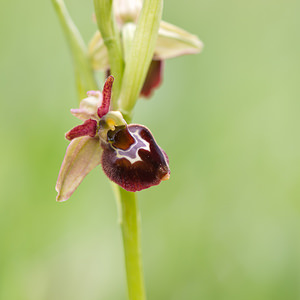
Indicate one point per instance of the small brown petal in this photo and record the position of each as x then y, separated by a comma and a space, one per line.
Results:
89, 127
106, 94
153, 79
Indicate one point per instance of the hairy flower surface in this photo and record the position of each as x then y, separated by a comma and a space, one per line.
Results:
129, 154
172, 41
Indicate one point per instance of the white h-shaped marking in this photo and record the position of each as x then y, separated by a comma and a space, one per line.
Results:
123, 153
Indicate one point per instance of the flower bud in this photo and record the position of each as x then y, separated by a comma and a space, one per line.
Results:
127, 10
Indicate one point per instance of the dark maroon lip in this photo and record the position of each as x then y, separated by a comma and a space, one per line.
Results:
141, 165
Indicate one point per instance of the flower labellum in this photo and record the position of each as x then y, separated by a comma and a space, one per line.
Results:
133, 159
129, 154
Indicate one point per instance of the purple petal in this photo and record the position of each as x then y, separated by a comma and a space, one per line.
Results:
106, 94
89, 127
82, 155
135, 165
153, 79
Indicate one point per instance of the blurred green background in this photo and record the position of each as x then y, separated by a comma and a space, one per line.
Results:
227, 223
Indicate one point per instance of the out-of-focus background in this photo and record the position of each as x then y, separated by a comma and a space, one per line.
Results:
227, 223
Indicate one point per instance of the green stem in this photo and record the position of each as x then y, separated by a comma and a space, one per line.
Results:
111, 37
141, 54
85, 76
127, 87
130, 224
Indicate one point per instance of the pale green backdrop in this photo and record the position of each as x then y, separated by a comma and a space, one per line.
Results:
226, 226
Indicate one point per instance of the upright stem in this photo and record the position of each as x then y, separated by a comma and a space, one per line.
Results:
127, 86
111, 37
85, 76
130, 224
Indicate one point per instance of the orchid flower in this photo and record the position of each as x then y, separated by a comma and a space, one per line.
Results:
172, 41
129, 154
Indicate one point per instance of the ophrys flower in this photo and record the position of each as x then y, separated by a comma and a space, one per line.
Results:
129, 154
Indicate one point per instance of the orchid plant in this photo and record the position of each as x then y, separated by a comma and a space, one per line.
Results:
131, 44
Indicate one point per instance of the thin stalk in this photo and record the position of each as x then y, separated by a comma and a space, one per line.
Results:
129, 219
130, 224
111, 37
85, 76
